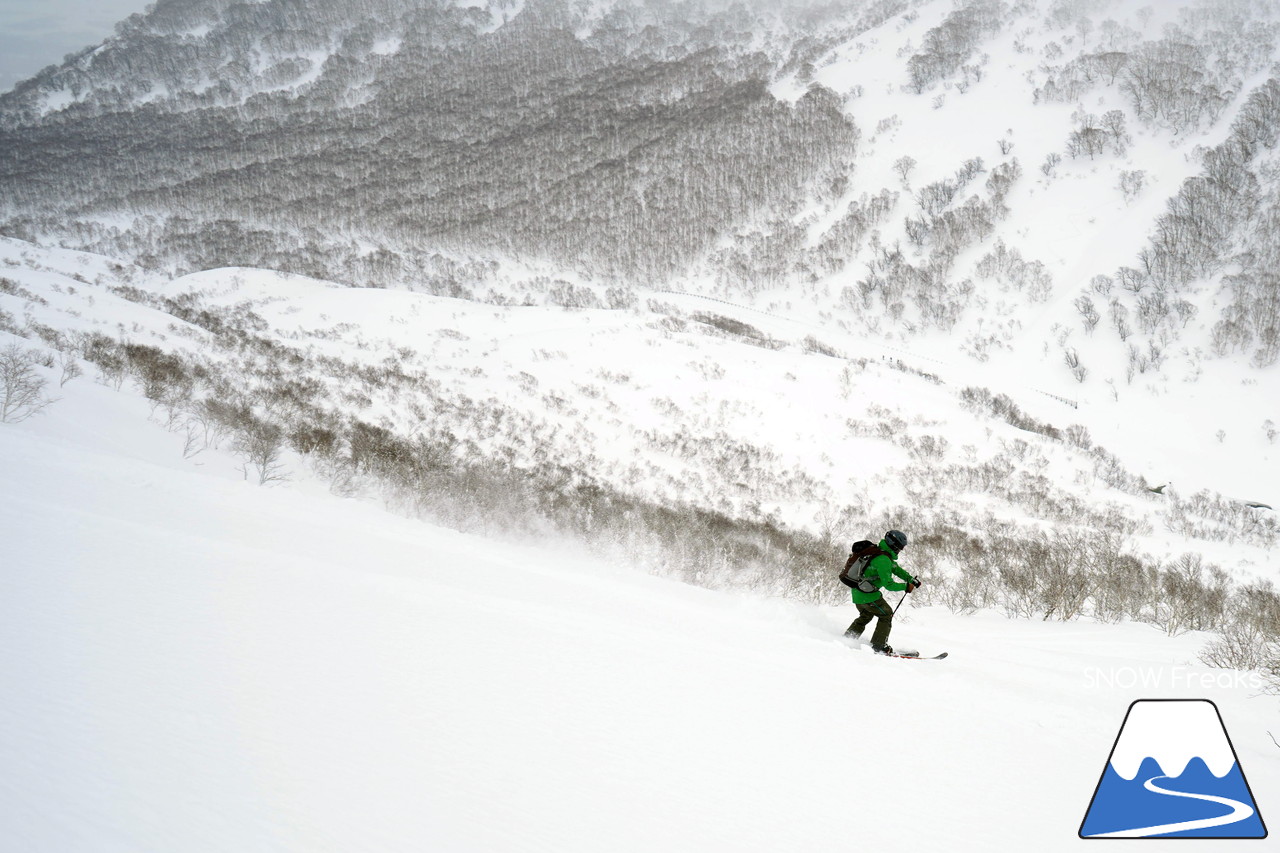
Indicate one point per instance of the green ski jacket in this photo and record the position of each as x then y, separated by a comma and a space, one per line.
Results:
880, 571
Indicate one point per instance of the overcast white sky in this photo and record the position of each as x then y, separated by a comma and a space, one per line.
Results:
36, 33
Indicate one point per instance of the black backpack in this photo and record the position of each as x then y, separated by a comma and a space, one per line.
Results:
853, 575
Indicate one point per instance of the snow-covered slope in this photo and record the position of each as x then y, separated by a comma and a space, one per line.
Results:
193, 662
686, 403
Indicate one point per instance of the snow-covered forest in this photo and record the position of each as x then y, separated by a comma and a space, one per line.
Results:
700, 292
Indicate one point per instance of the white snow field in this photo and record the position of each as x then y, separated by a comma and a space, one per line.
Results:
191, 662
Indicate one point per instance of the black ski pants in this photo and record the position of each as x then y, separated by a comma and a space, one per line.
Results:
879, 610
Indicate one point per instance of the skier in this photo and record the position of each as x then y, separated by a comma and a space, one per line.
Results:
871, 605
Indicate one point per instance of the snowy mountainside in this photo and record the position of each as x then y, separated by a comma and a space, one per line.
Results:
1100, 214
198, 663
699, 439
536, 138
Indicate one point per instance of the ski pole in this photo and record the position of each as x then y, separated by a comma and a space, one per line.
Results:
904, 598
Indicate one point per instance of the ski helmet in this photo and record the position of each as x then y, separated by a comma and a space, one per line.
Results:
896, 539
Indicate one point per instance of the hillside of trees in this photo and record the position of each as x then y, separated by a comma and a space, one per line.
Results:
289, 132
579, 154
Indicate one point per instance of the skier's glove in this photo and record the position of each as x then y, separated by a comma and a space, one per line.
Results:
913, 586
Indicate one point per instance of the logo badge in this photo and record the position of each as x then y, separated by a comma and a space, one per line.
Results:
1173, 773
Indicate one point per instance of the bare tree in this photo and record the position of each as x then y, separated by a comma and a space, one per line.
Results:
1113, 122
1240, 646
1089, 138
1078, 370
1111, 63
1131, 183
903, 166
262, 444
70, 368
1088, 312
21, 385
1120, 319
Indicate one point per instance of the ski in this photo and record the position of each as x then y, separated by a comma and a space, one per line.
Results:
910, 654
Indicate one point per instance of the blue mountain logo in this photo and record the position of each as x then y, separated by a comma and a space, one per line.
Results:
1173, 773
